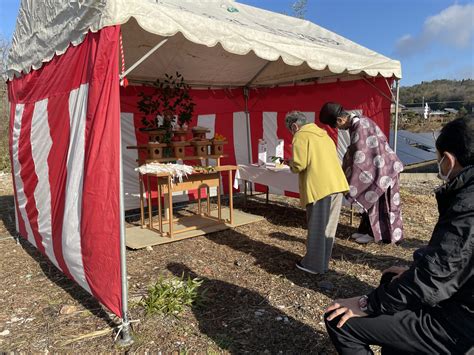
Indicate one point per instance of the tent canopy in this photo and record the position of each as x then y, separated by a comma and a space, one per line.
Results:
66, 125
210, 42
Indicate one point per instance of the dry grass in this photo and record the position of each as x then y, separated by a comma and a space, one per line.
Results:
420, 125
255, 298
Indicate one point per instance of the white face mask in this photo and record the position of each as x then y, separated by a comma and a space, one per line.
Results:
440, 174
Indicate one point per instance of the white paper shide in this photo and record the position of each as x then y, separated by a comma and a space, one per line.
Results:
280, 149
262, 152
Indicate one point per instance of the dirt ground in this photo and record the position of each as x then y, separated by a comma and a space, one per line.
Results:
256, 300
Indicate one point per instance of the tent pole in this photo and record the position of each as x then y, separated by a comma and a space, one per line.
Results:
247, 113
260, 71
142, 59
377, 89
126, 338
397, 83
247, 116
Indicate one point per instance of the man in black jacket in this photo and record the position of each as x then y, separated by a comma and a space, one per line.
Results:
429, 307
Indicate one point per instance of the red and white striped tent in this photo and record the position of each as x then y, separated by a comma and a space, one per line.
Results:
69, 116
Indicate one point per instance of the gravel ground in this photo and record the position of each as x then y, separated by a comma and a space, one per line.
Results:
255, 298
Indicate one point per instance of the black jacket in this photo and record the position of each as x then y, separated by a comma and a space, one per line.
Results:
441, 277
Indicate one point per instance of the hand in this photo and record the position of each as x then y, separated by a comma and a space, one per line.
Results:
349, 307
396, 270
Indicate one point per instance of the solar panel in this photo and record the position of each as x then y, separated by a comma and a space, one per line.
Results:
414, 148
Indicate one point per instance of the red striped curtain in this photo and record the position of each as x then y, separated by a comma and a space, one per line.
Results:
64, 147
222, 111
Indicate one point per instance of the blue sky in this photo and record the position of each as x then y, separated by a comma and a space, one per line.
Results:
433, 39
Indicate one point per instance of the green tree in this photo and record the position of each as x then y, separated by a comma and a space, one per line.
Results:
440, 94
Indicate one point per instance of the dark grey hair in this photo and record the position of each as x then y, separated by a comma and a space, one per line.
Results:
457, 137
330, 112
297, 117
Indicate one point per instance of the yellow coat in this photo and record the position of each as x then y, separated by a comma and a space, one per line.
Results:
315, 160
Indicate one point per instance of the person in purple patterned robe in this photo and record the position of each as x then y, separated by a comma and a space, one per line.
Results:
372, 169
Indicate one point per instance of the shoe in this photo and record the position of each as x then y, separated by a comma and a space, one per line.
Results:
357, 235
365, 239
302, 268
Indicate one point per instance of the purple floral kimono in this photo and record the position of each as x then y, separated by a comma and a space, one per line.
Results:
372, 169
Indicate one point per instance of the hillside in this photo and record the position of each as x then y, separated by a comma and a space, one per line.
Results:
440, 93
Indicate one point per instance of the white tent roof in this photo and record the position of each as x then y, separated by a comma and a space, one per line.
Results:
211, 42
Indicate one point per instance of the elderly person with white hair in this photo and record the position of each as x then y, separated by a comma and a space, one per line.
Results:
321, 184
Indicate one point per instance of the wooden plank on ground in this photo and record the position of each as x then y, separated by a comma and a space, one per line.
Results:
138, 238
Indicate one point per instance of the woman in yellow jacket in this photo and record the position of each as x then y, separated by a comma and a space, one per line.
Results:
321, 184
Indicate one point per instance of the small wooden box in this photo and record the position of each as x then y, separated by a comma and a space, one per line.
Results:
155, 150
179, 149
180, 134
200, 132
155, 135
217, 147
201, 148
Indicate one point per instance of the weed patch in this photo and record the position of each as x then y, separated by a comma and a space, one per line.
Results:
171, 296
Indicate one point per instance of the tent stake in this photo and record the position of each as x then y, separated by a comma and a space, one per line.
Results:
126, 338
397, 83
138, 62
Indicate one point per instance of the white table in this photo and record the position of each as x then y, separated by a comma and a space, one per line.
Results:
280, 179
277, 180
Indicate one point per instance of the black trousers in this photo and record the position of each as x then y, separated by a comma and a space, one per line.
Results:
364, 226
421, 331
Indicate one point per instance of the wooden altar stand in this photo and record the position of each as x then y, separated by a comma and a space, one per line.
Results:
196, 181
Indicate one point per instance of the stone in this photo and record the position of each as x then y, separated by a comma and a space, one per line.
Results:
67, 309
136, 299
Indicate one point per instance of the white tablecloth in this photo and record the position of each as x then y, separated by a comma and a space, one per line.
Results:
278, 180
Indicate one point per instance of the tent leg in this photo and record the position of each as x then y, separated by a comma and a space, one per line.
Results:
395, 136
247, 116
126, 338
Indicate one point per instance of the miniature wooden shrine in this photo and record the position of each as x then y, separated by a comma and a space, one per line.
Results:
198, 148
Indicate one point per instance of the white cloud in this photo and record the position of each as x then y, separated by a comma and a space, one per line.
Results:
454, 26
408, 45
